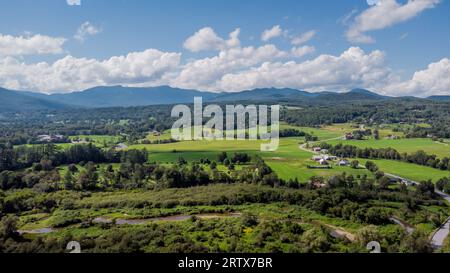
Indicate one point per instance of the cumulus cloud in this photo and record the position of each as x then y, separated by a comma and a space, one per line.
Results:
271, 33
30, 45
70, 74
435, 80
86, 29
352, 68
204, 73
303, 38
383, 14
302, 51
269, 67
207, 39
74, 2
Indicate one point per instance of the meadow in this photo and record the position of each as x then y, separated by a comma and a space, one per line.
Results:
291, 162
403, 145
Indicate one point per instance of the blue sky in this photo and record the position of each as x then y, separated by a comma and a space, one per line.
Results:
349, 43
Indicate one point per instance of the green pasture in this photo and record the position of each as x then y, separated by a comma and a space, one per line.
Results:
404, 145
408, 170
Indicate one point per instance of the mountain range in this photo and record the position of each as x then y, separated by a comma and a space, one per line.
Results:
119, 96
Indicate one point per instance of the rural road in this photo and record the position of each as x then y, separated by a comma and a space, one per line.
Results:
303, 146
439, 236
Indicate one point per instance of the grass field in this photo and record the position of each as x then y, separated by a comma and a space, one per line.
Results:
407, 170
290, 162
98, 140
406, 145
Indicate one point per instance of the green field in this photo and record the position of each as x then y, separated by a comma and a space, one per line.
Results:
98, 140
405, 145
290, 162
411, 171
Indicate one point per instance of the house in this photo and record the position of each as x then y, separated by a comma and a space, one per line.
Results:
349, 136
317, 158
317, 149
43, 138
121, 146
323, 162
391, 137
49, 138
343, 162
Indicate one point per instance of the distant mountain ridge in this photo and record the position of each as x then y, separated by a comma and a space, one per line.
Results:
440, 98
119, 96
17, 101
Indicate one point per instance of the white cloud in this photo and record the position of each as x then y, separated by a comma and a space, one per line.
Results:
352, 68
435, 80
383, 14
74, 2
69, 73
302, 51
346, 18
207, 39
86, 29
269, 34
241, 69
204, 73
30, 45
303, 38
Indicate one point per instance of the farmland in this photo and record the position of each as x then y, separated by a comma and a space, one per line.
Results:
133, 189
404, 145
291, 162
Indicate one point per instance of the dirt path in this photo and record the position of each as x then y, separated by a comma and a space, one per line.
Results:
340, 233
407, 227
36, 231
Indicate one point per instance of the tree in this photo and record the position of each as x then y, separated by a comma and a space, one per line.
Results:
368, 234
213, 165
383, 182
68, 181
8, 226
379, 174
181, 161
354, 164
372, 167
46, 164
425, 188
73, 168
249, 220
376, 134
442, 183
417, 242
222, 157
227, 162
88, 179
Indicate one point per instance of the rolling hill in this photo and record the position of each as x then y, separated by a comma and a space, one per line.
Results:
439, 98
119, 96
15, 101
